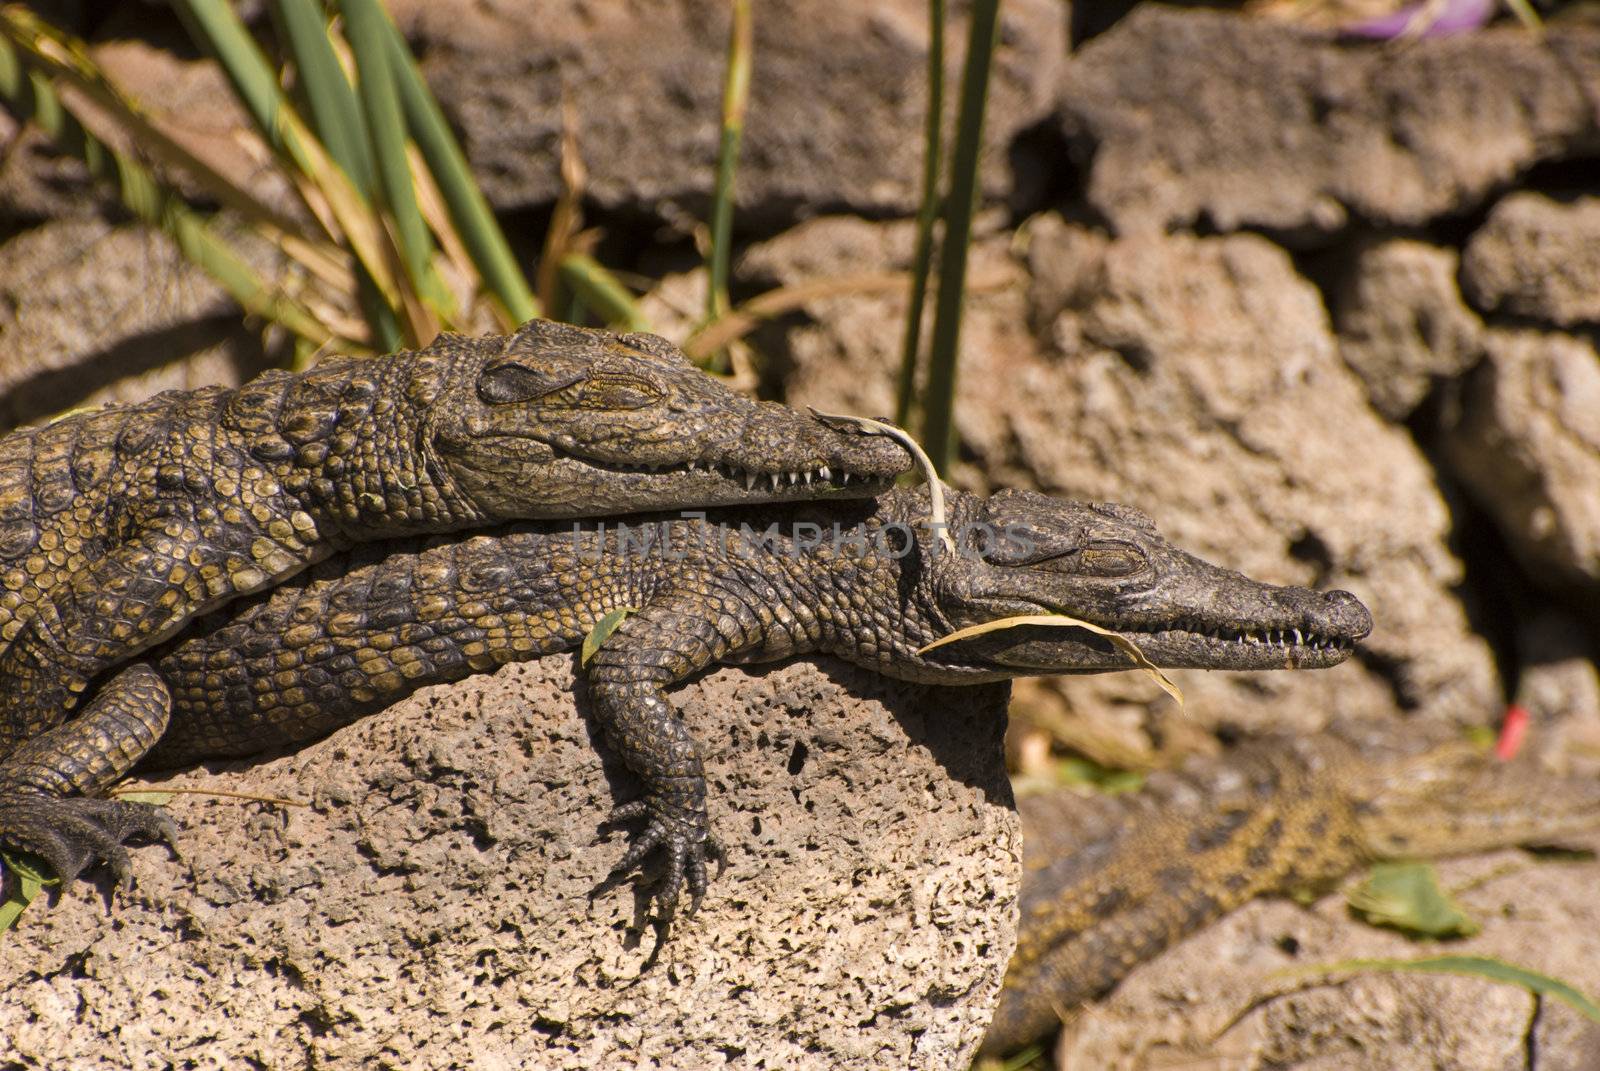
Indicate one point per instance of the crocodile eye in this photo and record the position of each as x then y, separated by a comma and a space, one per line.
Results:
1109, 559
1103, 559
617, 392
513, 382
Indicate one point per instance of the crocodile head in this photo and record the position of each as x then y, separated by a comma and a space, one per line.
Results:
1024, 553
565, 421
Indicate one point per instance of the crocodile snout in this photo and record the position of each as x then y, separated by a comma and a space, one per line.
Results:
1348, 615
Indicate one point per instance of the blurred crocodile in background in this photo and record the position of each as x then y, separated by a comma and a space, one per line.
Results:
867, 581
1110, 881
118, 526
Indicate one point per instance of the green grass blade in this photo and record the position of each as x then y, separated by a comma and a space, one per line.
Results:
1526, 15
335, 111
339, 205
469, 211
735, 101
601, 291
927, 214
1494, 970
938, 431
380, 103
339, 122
215, 25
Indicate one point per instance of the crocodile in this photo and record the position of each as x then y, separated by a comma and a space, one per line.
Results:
118, 526
1111, 881
867, 581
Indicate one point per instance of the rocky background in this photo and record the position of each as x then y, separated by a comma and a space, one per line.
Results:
1329, 311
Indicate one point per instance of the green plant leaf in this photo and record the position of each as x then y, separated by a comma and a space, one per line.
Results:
32, 876
215, 24
65, 61
602, 631
1407, 897
339, 205
30, 95
1076, 770
735, 99
30, 867
1494, 970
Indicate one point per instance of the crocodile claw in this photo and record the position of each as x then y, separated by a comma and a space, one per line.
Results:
69, 834
687, 841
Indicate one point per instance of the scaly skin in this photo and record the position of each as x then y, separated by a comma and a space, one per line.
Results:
1110, 881
352, 636
119, 526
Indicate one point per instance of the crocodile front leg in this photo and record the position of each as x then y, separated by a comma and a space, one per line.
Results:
47, 784
128, 601
652, 650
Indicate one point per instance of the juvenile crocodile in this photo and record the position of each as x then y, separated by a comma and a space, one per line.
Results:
862, 580
1110, 881
118, 526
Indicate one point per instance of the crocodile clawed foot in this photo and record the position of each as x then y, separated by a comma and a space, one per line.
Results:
685, 838
70, 834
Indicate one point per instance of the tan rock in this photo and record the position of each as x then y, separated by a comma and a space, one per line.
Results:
1525, 439
1198, 379
835, 118
1202, 117
433, 906
1401, 321
92, 312
1537, 257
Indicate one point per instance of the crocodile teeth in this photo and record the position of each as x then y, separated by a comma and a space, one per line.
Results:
844, 478
773, 476
1298, 639
749, 481
808, 479
824, 473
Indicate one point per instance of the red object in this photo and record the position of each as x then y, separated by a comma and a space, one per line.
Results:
1513, 730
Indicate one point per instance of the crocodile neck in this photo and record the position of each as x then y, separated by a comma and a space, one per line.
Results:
348, 442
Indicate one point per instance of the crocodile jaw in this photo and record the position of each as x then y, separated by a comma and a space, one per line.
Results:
1053, 650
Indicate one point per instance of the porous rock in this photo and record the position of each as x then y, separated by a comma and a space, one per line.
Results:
1402, 324
433, 905
1524, 438
1189, 116
1197, 379
92, 312
835, 116
1537, 257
